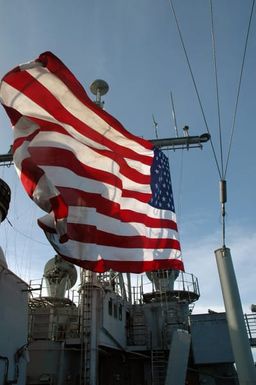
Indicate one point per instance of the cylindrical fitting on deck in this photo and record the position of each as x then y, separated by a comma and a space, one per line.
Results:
223, 191
235, 318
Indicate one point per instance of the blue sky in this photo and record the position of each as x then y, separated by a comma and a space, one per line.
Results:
134, 46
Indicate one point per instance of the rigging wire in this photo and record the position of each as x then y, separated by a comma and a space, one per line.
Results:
217, 88
221, 169
16, 230
15, 193
222, 184
239, 88
194, 83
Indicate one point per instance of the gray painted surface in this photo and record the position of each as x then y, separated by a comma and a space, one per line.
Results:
178, 358
210, 339
113, 333
53, 362
13, 325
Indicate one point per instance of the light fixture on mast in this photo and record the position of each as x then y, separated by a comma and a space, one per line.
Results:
98, 88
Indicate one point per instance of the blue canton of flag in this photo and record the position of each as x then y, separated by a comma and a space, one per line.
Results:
162, 197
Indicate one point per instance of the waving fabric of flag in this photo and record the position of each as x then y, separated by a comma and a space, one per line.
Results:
107, 192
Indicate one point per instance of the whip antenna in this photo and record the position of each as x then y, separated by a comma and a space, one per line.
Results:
174, 117
155, 126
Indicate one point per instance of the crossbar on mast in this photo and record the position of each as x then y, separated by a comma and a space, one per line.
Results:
181, 141
170, 143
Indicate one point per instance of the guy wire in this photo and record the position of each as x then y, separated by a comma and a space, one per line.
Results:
238, 90
217, 88
194, 83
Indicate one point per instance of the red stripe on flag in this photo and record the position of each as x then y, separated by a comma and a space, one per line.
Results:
59, 207
59, 157
57, 67
104, 206
19, 141
13, 114
43, 126
90, 234
30, 175
125, 266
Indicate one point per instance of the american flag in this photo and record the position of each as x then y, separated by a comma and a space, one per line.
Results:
107, 192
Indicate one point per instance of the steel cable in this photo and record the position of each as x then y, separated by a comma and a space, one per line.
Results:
194, 83
239, 88
217, 89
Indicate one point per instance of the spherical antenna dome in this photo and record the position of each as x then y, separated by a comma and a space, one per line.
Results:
99, 86
60, 276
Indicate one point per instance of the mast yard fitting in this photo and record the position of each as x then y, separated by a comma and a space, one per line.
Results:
180, 142
223, 191
223, 200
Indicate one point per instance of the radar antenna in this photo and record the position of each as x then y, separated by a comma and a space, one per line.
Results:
174, 117
155, 126
98, 88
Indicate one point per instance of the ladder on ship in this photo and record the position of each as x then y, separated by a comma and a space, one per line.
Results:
86, 323
159, 367
139, 329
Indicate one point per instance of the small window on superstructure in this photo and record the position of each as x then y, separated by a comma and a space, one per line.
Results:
110, 307
120, 312
115, 310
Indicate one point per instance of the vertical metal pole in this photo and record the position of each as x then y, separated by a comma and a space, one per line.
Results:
235, 318
128, 275
61, 371
94, 349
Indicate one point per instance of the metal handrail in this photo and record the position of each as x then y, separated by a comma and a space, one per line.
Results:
250, 323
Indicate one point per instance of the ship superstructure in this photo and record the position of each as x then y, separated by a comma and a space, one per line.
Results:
117, 329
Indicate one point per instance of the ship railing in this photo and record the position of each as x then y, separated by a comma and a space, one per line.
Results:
55, 325
38, 289
114, 281
184, 287
250, 322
